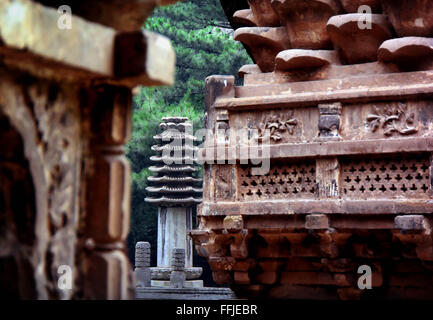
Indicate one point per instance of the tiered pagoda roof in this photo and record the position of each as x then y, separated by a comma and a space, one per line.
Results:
175, 181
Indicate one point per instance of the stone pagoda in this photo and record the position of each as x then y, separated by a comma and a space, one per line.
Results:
175, 189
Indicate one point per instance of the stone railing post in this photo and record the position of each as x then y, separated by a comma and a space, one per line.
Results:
177, 276
142, 264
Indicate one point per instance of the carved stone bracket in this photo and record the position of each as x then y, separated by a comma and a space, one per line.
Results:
239, 247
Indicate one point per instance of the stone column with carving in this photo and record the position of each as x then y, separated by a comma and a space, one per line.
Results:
175, 189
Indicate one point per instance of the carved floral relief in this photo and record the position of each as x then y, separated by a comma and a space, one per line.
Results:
277, 126
392, 119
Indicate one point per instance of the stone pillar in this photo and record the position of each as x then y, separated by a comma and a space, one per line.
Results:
173, 225
142, 264
108, 197
177, 276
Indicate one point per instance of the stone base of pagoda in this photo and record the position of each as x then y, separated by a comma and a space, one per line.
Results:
163, 273
162, 293
161, 277
188, 283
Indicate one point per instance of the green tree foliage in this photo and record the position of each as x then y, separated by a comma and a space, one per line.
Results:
202, 49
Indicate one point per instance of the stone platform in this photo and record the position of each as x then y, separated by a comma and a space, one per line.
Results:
172, 283
161, 293
188, 283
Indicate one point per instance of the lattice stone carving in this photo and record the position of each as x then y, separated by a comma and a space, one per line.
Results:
386, 177
284, 180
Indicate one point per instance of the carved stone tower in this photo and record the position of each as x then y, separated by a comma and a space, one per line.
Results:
175, 189
339, 102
